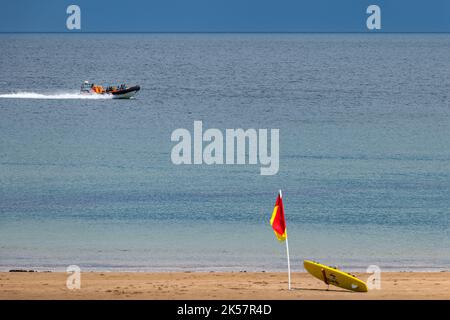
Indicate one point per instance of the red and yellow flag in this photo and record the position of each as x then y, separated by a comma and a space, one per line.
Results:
277, 221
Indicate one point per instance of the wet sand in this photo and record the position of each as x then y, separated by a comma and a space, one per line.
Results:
215, 285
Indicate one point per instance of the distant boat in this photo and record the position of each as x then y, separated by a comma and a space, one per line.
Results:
117, 92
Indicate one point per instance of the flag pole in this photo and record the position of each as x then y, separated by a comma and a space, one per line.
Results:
289, 264
287, 254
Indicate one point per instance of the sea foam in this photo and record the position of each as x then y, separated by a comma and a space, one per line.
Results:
53, 96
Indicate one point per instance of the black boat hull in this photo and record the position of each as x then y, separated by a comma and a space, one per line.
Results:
125, 93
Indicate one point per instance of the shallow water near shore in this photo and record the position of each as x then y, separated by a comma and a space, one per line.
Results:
364, 151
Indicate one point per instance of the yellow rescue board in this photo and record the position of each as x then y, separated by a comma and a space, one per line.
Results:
334, 276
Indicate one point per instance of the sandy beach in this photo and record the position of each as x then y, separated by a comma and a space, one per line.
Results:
230, 285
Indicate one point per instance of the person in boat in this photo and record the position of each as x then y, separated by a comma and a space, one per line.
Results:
87, 87
97, 89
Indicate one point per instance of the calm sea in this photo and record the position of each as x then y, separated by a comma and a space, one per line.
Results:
364, 151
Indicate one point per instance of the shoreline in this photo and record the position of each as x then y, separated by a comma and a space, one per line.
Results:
360, 270
215, 285
150, 271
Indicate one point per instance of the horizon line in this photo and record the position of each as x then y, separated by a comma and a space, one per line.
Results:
225, 32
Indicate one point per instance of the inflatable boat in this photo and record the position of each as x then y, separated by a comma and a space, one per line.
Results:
117, 92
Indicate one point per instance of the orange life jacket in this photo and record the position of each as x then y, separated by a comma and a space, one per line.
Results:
98, 89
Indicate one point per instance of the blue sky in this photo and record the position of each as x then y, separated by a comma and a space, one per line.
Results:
225, 15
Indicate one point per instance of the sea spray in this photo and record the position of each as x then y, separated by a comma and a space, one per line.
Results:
54, 96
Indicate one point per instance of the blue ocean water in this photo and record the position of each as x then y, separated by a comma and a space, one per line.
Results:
364, 151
